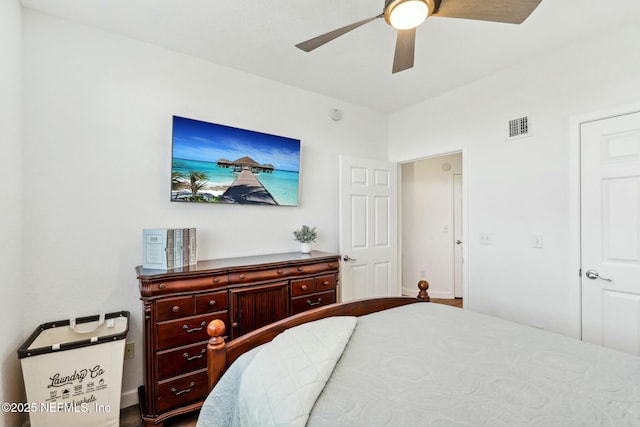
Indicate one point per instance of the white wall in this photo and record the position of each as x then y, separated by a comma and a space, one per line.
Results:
97, 147
518, 189
427, 224
11, 389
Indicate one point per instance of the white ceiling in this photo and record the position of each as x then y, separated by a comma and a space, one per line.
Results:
258, 36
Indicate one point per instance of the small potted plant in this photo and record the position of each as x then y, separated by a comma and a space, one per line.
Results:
305, 236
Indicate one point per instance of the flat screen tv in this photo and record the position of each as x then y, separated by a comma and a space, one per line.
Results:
214, 163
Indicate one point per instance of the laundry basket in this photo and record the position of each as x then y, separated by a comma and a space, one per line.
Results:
72, 371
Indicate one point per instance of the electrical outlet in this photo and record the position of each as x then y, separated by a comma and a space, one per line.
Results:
129, 350
486, 239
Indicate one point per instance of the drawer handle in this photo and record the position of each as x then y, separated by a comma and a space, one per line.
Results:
216, 280
304, 287
186, 327
326, 283
212, 302
161, 285
186, 390
197, 356
176, 309
300, 269
234, 325
280, 271
241, 276
330, 265
311, 304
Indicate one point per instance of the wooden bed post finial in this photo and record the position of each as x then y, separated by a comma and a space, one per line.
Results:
216, 351
423, 294
215, 330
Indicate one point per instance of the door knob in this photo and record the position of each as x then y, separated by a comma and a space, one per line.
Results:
458, 242
348, 258
593, 275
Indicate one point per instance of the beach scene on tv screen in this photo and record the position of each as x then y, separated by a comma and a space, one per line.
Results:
214, 163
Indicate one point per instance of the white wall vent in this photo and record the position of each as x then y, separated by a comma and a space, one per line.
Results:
519, 128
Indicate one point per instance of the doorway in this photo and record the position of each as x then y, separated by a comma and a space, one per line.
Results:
432, 224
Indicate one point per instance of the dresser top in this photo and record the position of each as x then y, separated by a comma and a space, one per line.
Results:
237, 262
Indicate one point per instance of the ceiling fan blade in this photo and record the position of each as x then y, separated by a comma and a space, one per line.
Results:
316, 42
405, 48
507, 11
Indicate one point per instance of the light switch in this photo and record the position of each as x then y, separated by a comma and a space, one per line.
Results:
536, 241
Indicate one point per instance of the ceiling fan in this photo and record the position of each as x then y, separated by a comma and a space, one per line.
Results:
406, 15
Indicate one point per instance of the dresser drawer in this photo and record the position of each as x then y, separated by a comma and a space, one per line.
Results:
313, 268
181, 391
182, 360
325, 283
258, 275
214, 301
304, 303
174, 308
201, 282
185, 331
301, 287
192, 284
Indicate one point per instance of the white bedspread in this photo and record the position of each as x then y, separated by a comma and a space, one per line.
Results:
433, 365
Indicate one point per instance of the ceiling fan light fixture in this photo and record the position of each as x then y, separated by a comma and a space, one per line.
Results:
406, 14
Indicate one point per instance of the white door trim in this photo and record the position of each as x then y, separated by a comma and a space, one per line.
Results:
457, 230
466, 285
574, 201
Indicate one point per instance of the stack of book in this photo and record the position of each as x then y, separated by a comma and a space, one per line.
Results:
169, 248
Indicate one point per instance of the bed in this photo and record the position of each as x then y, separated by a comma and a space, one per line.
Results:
406, 362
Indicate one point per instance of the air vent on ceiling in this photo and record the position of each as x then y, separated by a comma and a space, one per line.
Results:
519, 128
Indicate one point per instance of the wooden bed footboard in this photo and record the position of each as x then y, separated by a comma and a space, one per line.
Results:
220, 354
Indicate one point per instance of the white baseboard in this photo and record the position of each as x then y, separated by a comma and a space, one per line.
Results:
433, 294
129, 398
407, 292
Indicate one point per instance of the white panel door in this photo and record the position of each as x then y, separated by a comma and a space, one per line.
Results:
368, 228
610, 231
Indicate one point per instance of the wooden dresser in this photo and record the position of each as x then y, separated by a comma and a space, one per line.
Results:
246, 293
